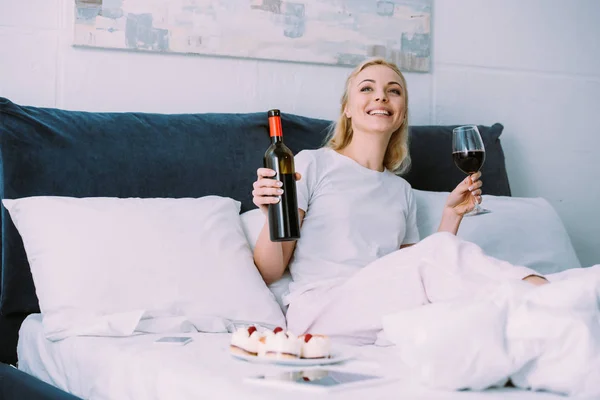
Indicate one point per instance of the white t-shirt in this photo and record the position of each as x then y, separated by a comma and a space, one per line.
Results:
354, 215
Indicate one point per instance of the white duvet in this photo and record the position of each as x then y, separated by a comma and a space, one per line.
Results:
102, 368
544, 339
541, 338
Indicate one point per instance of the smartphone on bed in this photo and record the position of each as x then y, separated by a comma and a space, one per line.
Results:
323, 380
174, 340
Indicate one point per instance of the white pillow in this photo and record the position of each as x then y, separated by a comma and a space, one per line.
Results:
152, 257
522, 231
253, 222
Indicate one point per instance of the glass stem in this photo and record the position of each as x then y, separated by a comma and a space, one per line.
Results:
477, 207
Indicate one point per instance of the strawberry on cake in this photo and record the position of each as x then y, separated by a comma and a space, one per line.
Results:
245, 341
315, 346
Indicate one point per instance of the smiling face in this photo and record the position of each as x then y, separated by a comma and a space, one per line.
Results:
376, 101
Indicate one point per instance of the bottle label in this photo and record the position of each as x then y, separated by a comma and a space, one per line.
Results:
275, 126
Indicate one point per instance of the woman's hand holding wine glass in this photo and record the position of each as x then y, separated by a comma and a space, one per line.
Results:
466, 196
468, 153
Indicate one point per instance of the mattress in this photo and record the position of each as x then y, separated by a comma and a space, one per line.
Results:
136, 368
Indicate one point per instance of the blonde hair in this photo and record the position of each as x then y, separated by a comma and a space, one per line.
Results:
397, 157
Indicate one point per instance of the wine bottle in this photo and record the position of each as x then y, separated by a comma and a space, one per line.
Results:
283, 215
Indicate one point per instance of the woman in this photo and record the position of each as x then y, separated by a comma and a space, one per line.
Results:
353, 264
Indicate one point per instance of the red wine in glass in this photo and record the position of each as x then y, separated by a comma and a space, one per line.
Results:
469, 162
468, 153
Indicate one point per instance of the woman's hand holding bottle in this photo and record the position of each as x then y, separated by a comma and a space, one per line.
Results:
267, 190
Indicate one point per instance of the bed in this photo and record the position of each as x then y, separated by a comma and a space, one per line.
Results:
78, 190
135, 368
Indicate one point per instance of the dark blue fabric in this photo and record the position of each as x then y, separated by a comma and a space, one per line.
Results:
9, 335
17, 385
47, 151
433, 168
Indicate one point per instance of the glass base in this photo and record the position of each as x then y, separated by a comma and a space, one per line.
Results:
478, 210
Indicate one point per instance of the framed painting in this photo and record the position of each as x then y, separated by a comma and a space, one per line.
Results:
337, 32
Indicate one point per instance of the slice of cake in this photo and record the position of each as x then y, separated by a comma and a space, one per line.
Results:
315, 346
281, 344
262, 342
245, 341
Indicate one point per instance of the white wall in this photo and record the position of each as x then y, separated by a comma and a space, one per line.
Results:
532, 65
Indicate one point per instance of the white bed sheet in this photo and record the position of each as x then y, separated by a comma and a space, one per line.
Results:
136, 368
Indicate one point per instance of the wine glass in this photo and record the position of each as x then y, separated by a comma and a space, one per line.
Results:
468, 154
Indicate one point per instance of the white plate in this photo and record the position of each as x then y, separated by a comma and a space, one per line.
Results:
336, 357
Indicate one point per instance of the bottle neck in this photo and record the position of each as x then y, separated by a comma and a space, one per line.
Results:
275, 130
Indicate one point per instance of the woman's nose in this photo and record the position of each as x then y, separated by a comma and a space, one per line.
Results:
381, 97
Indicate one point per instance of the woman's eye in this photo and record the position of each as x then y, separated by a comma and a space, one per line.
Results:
396, 91
365, 89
